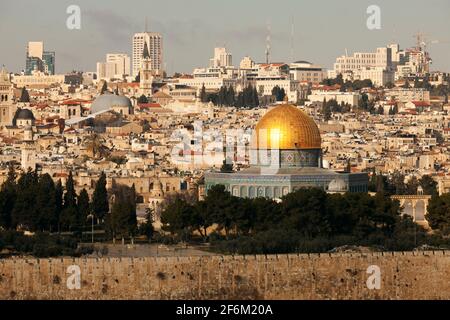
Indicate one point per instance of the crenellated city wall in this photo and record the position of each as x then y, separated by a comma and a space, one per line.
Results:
404, 275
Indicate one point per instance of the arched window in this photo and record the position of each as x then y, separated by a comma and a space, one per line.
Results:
251, 192
243, 192
277, 193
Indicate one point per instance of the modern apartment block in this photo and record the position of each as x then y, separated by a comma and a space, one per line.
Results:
117, 65
39, 60
221, 58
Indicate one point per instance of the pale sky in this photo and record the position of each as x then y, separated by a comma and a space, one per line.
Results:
323, 29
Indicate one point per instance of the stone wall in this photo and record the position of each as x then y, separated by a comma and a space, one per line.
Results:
404, 275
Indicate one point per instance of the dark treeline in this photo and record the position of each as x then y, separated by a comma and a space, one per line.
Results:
278, 93
348, 85
247, 98
35, 203
333, 106
307, 220
396, 184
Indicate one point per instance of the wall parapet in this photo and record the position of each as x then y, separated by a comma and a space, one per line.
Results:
404, 275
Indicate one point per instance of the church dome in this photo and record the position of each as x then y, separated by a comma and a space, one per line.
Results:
288, 127
107, 101
24, 114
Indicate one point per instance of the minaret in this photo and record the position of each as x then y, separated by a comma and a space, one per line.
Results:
28, 155
146, 76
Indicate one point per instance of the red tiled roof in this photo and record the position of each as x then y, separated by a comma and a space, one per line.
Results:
75, 101
149, 105
421, 103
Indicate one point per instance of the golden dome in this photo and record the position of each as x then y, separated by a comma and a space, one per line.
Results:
286, 127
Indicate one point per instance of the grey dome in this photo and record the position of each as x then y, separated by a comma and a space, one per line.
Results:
24, 114
107, 101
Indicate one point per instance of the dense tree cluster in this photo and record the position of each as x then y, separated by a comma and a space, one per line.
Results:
41, 244
142, 99
333, 81
58, 209
53, 208
396, 184
439, 214
262, 225
348, 85
226, 96
278, 93
330, 106
122, 221
365, 104
356, 85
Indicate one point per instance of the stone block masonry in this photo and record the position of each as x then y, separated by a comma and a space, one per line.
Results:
404, 275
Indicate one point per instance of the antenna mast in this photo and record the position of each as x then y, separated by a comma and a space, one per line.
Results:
268, 43
292, 39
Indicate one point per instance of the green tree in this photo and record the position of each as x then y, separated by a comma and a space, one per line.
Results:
59, 192
203, 96
428, 184
142, 99
104, 87
255, 98
305, 211
122, 222
220, 206
70, 219
176, 218
438, 215
100, 205
24, 95
199, 219
231, 97
326, 110
132, 217
406, 85
83, 206
47, 218
146, 228
24, 214
380, 110
412, 185
227, 166
398, 182
8, 195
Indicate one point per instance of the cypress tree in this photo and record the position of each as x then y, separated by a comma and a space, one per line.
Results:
142, 99
58, 204
24, 213
8, 194
69, 217
24, 96
83, 206
104, 88
203, 97
231, 97
255, 98
132, 218
100, 206
46, 204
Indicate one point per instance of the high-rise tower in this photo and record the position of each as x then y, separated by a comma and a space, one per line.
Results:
154, 43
